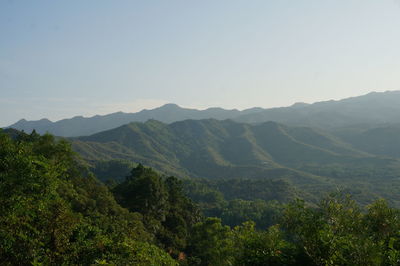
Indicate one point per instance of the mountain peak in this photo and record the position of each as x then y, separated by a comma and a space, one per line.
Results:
23, 121
170, 106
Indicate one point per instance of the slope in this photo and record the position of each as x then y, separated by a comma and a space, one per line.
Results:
310, 159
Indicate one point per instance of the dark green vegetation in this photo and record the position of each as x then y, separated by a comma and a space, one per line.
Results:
336, 232
311, 161
239, 200
53, 211
368, 110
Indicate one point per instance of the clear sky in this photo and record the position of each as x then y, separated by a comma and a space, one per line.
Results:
59, 59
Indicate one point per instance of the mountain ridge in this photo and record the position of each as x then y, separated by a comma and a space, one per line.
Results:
373, 109
222, 143
311, 159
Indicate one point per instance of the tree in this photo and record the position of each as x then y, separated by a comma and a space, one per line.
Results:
253, 247
332, 234
144, 191
211, 243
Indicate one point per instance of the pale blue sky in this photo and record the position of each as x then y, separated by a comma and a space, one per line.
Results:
64, 58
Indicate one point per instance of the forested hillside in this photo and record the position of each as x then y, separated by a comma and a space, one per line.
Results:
53, 211
199, 146
312, 160
200, 133
220, 192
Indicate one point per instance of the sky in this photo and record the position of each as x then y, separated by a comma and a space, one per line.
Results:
60, 59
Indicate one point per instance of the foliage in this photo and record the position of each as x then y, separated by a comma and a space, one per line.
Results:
211, 243
167, 212
262, 247
112, 170
339, 233
239, 200
54, 212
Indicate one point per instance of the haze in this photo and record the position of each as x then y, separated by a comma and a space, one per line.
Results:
60, 59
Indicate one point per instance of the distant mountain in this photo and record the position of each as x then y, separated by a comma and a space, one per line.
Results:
384, 141
81, 126
372, 109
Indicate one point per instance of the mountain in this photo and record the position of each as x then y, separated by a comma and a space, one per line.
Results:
368, 110
82, 126
310, 159
362, 161
372, 109
28, 126
211, 148
384, 140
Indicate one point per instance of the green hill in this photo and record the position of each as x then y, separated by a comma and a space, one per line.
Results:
312, 160
216, 149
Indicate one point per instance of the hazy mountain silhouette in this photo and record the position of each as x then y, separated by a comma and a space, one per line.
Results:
372, 109
81, 126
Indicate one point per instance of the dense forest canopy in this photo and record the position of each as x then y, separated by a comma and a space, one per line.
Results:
54, 211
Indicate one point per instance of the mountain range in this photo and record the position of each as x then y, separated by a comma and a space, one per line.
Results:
311, 159
367, 111
351, 144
